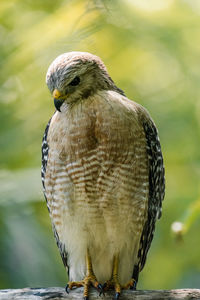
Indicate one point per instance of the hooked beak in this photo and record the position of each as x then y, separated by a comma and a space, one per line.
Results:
58, 104
57, 99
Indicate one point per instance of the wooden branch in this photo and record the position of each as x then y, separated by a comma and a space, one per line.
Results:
57, 293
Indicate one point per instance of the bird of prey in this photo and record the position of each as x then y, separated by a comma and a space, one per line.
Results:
102, 173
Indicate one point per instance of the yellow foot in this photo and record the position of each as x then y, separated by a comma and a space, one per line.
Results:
117, 287
114, 282
130, 285
89, 280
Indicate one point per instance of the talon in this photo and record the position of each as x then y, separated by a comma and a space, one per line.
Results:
130, 285
133, 287
117, 295
99, 286
66, 288
100, 289
104, 285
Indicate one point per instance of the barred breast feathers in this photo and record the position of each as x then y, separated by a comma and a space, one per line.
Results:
98, 163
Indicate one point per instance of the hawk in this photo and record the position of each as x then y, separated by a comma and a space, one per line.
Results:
102, 173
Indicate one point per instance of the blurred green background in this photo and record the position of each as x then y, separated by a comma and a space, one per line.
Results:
152, 51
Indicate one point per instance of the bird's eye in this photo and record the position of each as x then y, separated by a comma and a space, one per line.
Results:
75, 81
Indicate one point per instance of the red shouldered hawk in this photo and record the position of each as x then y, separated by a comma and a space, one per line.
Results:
103, 175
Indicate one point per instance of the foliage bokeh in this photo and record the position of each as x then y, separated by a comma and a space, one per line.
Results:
152, 51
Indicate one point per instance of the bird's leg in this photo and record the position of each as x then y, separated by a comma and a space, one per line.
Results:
89, 280
117, 285
113, 283
130, 285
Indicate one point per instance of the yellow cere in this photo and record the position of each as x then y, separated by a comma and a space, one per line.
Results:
56, 94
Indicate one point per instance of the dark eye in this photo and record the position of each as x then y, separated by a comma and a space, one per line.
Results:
75, 81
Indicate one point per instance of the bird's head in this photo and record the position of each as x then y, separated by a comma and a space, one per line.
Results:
74, 76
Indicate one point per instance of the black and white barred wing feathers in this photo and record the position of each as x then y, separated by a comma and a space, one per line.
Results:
156, 191
45, 151
156, 170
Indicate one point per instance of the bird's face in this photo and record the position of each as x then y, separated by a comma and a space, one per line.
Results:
75, 76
